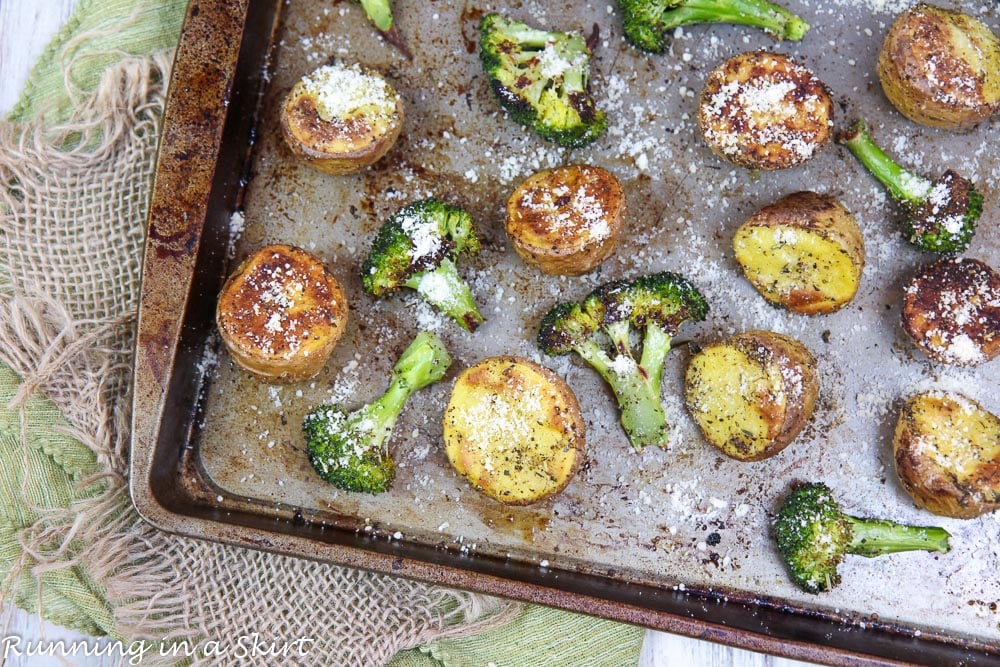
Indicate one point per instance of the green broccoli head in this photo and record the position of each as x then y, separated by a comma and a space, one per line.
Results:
541, 78
813, 535
945, 221
603, 329
416, 248
347, 450
648, 23
565, 327
666, 299
351, 450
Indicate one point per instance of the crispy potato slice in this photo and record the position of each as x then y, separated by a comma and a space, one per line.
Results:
566, 220
941, 68
951, 311
281, 314
947, 450
752, 394
762, 110
804, 252
513, 428
341, 119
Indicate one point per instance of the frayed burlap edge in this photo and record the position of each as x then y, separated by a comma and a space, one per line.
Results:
72, 212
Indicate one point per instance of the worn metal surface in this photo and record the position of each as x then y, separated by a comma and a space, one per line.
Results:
682, 519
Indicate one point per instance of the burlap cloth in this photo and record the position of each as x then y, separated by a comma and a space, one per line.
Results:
76, 163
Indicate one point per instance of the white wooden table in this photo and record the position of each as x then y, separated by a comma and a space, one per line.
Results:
26, 27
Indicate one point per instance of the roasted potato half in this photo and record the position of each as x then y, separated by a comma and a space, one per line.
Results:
281, 313
941, 68
513, 428
566, 220
951, 311
762, 110
341, 118
804, 252
752, 394
947, 450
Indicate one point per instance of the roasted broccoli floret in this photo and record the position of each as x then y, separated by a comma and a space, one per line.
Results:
351, 450
941, 214
379, 12
416, 248
649, 23
541, 79
814, 535
601, 329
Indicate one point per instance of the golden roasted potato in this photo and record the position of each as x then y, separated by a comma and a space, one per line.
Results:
951, 311
762, 110
804, 252
947, 450
941, 68
566, 220
341, 118
752, 394
281, 314
513, 428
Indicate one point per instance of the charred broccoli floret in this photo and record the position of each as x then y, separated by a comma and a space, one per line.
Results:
416, 248
814, 535
648, 23
600, 329
379, 12
941, 214
351, 450
541, 79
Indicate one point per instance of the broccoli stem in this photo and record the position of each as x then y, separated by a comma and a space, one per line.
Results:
526, 36
655, 346
904, 186
772, 18
875, 537
423, 362
379, 417
444, 289
637, 393
379, 12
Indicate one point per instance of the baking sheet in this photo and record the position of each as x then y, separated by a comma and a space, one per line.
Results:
682, 517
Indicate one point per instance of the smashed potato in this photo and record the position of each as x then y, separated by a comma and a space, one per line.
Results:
752, 394
804, 252
567, 220
513, 428
340, 119
762, 110
941, 68
947, 451
281, 313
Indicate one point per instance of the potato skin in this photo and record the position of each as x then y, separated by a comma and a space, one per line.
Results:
941, 68
951, 311
755, 376
947, 453
336, 146
761, 110
281, 314
567, 220
788, 273
514, 430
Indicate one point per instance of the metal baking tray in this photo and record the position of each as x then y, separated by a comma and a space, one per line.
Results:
675, 539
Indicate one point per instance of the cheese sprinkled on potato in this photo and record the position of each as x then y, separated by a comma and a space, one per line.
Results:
342, 91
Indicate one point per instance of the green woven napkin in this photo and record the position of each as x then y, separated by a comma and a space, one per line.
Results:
48, 475
539, 636
54, 465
